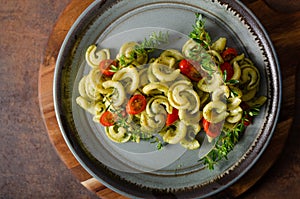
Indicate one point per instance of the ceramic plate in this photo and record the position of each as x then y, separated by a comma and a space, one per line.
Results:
138, 170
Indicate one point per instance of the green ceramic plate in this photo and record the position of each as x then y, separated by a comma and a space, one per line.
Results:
139, 170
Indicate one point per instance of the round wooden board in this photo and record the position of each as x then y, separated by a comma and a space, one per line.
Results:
46, 73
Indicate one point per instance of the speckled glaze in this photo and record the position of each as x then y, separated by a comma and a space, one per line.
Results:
185, 178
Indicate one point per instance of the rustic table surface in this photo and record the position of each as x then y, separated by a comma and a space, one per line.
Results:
34, 160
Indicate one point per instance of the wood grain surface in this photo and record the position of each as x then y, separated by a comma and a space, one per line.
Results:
276, 174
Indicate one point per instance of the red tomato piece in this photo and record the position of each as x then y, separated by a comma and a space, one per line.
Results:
228, 54
136, 104
189, 68
229, 70
171, 118
106, 66
213, 130
248, 120
108, 118
205, 124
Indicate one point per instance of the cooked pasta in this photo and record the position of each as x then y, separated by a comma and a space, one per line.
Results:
143, 96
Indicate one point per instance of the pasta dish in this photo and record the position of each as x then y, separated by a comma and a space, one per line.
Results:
171, 97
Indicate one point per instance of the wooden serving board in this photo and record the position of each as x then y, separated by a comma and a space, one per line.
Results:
46, 73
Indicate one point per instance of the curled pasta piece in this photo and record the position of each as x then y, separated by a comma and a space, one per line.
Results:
91, 90
150, 75
130, 77
88, 100
215, 111
189, 118
95, 108
96, 79
153, 124
164, 73
172, 53
250, 75
235, 111
90, 86
81, 87
238, 58
248, 95
154, 118
170, 57
217, 57
220, 93
232, 103
219, 45
257, 102
85, 104
181, 95
158, 105
117, 134
127, 50
118, 96
191, 46
210, 83
174, 137
156, 87
246, 61
235, 115
189, 141
94, 58
99, 108
190, 144
143, 76
236, 71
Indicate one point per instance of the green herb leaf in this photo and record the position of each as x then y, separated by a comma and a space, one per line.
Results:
155, 40
225, 75
227, 140
232, 81
199, 34
114, 68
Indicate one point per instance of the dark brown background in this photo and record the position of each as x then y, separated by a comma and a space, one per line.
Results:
29, 164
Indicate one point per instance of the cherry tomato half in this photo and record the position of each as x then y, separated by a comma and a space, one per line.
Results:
228, 54
136, 104
108, 118
248, 121
171, 118
226, 66
213, 130
106, 66
188, 68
